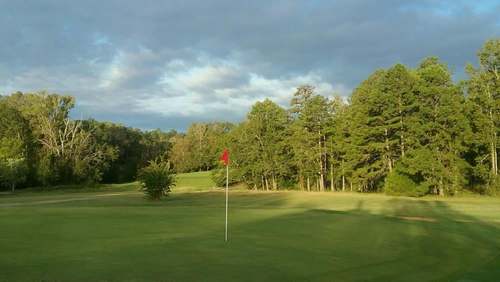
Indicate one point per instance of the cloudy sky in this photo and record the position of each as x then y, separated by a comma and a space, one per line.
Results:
165, 64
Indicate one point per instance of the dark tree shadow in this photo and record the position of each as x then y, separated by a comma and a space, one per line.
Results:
412, 240
271, 240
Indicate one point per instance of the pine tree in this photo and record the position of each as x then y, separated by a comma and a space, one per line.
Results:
437, 159
310, 114
483, 99
337, 142
264, 136
369, 155
397, 87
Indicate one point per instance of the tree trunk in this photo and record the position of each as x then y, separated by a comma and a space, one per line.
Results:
267, 183
496, 158
275, 185
308, 185
331, 177
400, 106
492, 154
301, 182
343, 183
343, 177
13, 187
441, 187
321, 181
387, 149
494, 147
493, 134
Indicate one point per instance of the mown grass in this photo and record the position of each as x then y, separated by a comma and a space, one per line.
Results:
278, 236
193, 182
187, 182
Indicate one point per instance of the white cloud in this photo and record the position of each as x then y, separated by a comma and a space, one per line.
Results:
127, 67
198, 62
54, 79
220, 88
144, 82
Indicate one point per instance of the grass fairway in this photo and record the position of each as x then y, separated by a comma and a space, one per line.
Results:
280, 236
194, 182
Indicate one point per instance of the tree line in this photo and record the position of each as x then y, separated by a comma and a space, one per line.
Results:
41, 146
404, 131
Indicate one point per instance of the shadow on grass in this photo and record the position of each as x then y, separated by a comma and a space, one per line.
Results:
270, 240
354, 245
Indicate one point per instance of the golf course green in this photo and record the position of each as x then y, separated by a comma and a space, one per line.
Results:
114, 234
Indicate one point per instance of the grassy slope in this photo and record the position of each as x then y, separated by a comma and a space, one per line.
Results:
193, 182
274, 236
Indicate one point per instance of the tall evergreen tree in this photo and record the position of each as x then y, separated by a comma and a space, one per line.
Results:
265, 132
337, 142
311, 115
483, 89
436, 160
370, 154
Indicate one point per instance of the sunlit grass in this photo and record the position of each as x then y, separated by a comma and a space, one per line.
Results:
196, 181
274, 236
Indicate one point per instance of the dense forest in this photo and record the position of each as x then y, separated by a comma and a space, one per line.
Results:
41, 146
403, 131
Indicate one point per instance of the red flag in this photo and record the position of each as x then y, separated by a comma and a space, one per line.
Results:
225, 157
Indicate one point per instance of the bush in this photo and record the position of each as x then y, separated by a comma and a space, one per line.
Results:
157, 179
399, 184
288, 183
219, 177
13, 171
493, 189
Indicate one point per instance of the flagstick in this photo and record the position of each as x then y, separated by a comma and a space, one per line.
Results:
227, 186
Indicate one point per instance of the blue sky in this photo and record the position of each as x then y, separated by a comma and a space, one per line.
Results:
165, 64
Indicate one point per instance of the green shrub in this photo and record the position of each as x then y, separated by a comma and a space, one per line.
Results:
12, 172
493, 189
288, 184
219, 177
399, 184
157, 179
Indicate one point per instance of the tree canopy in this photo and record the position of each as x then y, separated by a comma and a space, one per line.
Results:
406, 131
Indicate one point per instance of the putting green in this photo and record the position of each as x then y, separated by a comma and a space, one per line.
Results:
279, 236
